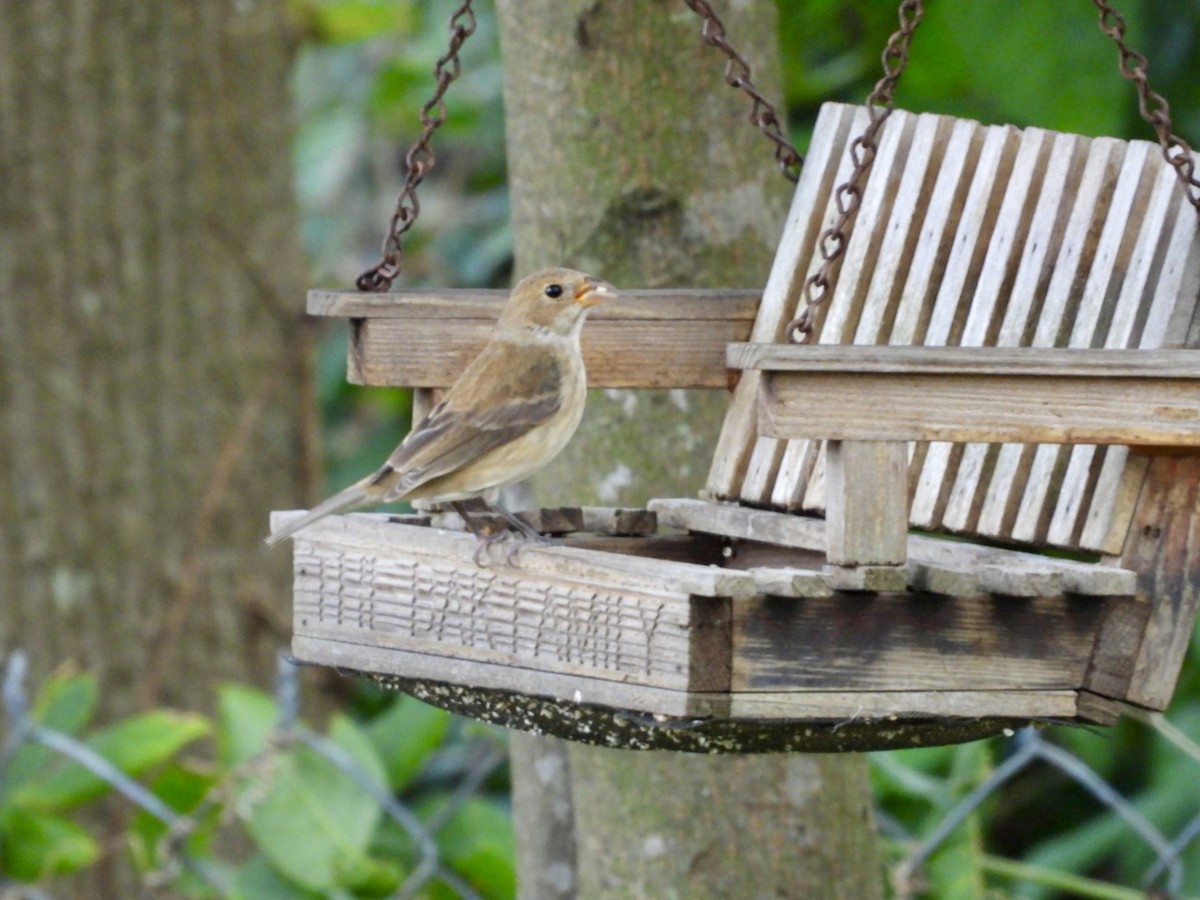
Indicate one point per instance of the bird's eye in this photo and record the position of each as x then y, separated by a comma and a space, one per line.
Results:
554, 291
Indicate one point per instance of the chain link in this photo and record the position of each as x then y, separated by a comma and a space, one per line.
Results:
420, 158
1152, 106
848, 196
737, 75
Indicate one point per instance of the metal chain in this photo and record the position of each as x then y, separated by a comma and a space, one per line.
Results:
848, 195
420, 158
1152, 106
737, 75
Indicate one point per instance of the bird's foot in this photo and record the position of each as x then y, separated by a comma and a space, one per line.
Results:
483, 549
523, 541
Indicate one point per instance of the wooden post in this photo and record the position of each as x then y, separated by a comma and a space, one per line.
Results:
866, 512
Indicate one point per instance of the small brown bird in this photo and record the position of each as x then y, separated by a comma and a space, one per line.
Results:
511, 411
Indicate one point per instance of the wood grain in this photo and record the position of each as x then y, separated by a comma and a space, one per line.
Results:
651, 339
815, 706
870, 393
935, 565
913, 642
363, 580
867, 486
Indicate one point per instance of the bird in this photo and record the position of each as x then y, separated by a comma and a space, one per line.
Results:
511, 411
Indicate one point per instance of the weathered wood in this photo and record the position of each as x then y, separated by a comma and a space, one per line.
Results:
913, 642
1069, 409
605, 520
826, 165
652, 339
1004, 237
1118, 642
375, 532
935, 565
1004, 362
812, 706
792, 582
363, 580
1162, 547
867, 488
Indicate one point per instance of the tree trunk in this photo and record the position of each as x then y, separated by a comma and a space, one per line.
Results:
630, 158
152, 379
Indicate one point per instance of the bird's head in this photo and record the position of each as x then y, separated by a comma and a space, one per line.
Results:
554, 302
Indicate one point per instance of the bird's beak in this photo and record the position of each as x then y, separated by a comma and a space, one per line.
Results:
593, 291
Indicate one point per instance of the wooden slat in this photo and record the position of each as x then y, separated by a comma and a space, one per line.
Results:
763, 471
781, 292
951, 562
850, 290
823, 706
653, 339
1139, 268
913, 642
1068, 410
1103, 275
1064, 170
893, 705
1001, 362
1162, 547
987, 309
958, 280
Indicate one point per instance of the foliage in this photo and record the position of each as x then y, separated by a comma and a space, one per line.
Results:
315, 831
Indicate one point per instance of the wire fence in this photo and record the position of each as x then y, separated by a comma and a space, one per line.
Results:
1163, 878
23, 729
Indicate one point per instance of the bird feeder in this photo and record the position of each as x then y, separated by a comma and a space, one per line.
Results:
970, 503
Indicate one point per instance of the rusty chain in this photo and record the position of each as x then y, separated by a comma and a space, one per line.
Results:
737, 75
420, 158
1152, 105
848, 195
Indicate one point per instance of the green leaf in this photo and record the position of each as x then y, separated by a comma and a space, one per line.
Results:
313, 822
258, 880
133, 746
344, 21
367, 877
183, 789
38, 845
478, 843
405, 736
66, 704
246, 717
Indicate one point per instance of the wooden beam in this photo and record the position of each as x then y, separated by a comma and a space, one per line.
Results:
951, 567
1136, 398
650, 339
867, 503
814, 706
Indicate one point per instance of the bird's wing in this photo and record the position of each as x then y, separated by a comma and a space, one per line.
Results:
505, 393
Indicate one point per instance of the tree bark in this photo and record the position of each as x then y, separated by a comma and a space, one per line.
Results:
152, 375
630, 158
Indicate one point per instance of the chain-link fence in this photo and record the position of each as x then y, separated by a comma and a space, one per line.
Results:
245, 783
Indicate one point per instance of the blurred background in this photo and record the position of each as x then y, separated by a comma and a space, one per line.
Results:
360, 71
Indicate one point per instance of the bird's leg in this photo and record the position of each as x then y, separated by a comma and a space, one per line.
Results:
484, 538
519, 524
531, 534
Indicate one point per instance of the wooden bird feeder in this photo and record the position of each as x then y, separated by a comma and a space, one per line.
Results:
1001, 361
1005, 363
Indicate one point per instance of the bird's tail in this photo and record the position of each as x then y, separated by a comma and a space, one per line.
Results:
356, 495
